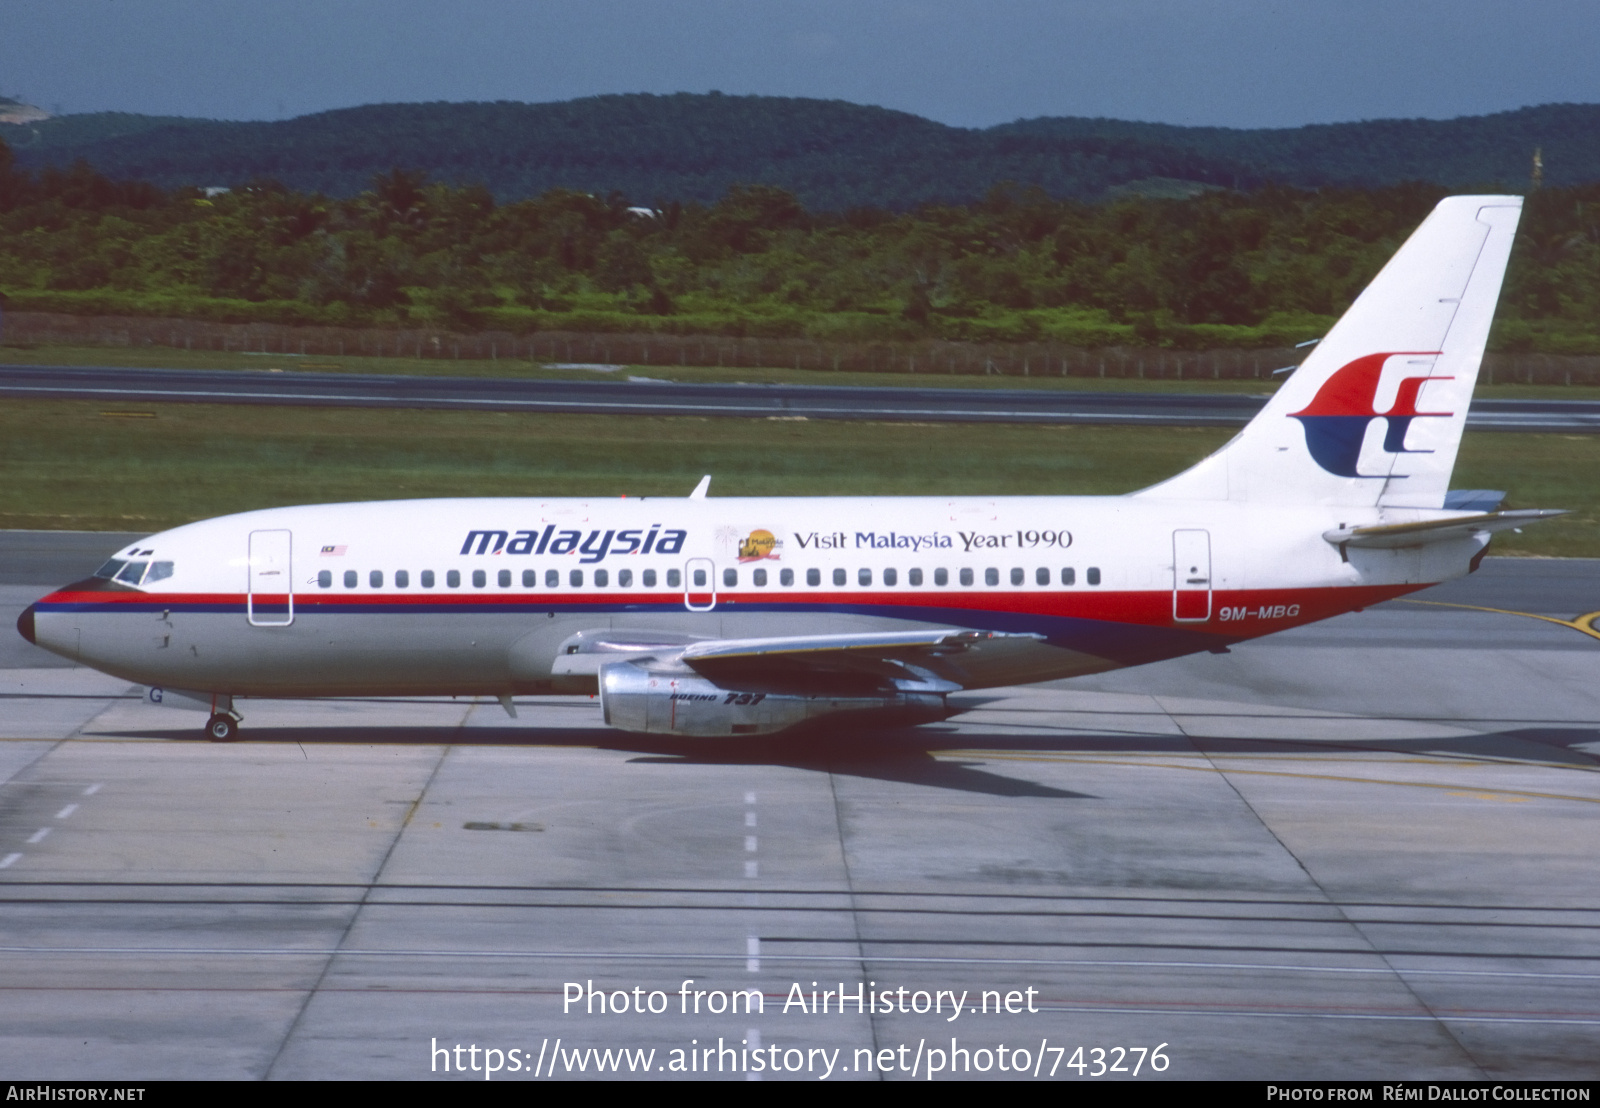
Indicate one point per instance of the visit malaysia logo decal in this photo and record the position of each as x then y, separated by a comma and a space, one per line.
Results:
1337, 418
759, 545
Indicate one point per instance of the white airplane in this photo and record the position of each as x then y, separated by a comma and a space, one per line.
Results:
747, 616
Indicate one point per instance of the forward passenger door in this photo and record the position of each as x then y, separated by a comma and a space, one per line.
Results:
270, 599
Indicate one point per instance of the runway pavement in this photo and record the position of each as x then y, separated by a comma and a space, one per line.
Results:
1361, 849
662, 398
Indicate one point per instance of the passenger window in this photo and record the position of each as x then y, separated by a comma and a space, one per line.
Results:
402, 579
624, 578
758, 578
1016, 575
479, 578
786, 578
699, 578
941, 577
552, 578
575, 578
1069, 576
602, 578
864, 576
427, 578
325, 579
839, 576
890, 577
674, 579
504, 578
159, 571
966, 577
991, 576
813, 577
730, 577
530, 578
914, 577
648, 578
1041, 576
375, 578
452, 578
351, 579
132, 573
1093, 576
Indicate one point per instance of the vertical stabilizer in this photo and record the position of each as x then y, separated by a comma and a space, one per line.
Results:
1373, 418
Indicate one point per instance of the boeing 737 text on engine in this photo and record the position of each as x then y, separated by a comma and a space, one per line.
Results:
735, 616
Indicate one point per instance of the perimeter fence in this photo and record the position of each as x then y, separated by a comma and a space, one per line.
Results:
929, 357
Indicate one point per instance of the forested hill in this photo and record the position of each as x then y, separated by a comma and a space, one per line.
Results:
1468, 151
653, 149
831, 154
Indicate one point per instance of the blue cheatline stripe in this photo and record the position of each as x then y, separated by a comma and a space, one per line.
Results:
1125, 643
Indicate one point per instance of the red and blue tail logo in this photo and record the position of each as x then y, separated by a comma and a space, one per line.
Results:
1337, 418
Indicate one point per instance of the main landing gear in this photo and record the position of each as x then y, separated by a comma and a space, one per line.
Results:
223, 726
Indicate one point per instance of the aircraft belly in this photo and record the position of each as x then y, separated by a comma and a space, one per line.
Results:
349, 654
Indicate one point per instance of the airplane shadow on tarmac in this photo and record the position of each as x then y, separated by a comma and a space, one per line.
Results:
899, 755
908, 755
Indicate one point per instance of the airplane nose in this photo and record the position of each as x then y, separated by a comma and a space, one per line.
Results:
25, 624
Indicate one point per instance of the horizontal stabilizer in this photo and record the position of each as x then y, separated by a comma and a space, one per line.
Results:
1389, 536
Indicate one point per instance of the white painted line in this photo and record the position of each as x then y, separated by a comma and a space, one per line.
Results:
749, 844
749, 798
8, 859
92, 789
752, 1039
749, 819
67, 811
752, 952
38, 836
752, 869
1442, 1017
852, 959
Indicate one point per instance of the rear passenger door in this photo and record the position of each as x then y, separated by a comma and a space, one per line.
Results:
1191, 576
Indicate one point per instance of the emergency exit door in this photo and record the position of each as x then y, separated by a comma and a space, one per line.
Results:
700, 585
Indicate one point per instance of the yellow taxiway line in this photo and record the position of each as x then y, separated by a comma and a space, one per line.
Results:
1584, 624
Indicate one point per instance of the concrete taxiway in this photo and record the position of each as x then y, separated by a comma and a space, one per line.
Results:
668, 398
1366, 848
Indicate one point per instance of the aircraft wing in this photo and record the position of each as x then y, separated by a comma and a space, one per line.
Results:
935, 660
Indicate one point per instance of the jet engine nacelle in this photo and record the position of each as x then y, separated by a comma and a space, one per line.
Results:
681, 702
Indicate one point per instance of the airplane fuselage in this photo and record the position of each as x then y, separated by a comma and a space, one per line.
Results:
485, 597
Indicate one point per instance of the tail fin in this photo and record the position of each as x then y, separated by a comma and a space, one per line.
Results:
1373, 418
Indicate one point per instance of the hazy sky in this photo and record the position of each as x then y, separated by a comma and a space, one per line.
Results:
1244, 63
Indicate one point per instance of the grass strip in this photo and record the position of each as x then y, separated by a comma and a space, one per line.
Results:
94, 465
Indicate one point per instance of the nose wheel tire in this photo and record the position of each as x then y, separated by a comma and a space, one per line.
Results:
221, 728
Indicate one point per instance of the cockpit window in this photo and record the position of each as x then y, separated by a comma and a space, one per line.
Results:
159, 571
109, 570
132, 573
